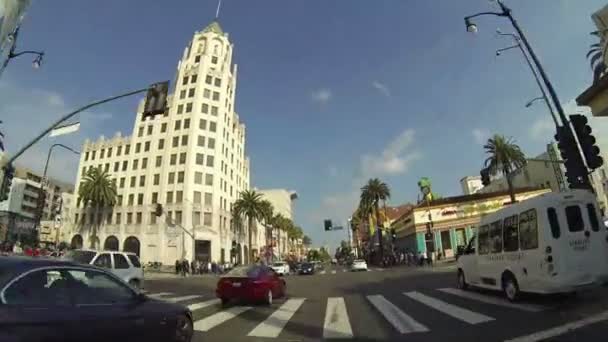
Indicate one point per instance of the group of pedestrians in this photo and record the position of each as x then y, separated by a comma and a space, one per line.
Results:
185, 268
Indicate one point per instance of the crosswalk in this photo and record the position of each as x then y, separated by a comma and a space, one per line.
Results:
400, 311
345, 270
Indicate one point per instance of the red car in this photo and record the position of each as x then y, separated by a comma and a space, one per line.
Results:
256, 283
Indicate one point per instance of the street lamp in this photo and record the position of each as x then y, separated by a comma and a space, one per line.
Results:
578, 166
533, 100
36, 63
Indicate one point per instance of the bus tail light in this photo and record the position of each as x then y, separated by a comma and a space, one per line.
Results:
549, 258
550, 268
548, 250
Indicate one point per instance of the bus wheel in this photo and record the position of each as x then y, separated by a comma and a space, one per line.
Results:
510, 287
462, 283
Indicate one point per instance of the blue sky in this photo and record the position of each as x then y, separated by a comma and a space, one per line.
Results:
332, 92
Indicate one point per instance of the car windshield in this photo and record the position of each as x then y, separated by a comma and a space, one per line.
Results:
307, 265
83, 257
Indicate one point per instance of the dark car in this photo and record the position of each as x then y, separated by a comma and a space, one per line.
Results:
307, 268
256, 283
54, 300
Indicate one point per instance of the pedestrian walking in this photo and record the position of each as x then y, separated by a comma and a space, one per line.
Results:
178, 267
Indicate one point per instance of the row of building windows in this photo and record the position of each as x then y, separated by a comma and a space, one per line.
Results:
137, 218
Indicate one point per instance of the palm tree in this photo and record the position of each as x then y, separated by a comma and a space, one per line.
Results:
306, 241
249, 205
596, 57
505, 157
97, 190
267, 213
371, 194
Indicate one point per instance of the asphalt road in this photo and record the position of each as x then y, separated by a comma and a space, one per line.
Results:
388, 305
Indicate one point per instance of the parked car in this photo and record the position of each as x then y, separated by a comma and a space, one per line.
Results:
125, 265
44, 299
255, 283
281, 267
307, 268
358, 265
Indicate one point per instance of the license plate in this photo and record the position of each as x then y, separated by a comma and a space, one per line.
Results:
236, 284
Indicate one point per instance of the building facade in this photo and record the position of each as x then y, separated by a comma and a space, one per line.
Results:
444, 224
470, 184
190, 159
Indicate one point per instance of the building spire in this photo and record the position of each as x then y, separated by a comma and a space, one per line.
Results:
217, 11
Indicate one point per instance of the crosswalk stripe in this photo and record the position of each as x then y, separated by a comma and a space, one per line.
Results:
322, 272
274, 324
336, 323
181, 298
399, 319
381, 269
212, 321
457, 312
333, 272
204, 304
159, 294
492, 300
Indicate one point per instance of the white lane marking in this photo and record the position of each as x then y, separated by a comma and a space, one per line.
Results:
336, 323
492, 300
204, 304
181, 298
549, 333
399, 319
333, 272
344, 270
323, 272
159, 294
370, 270
381, 269
274, 324
212, 321
457, 312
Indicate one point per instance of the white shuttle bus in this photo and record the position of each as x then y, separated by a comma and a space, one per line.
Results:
553, 243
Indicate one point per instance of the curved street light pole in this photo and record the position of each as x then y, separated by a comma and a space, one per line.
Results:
534, 73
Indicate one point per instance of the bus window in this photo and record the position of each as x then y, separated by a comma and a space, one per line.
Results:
595, 225
553, 222
484, 239
510, 234
574, 218
528, 230
496, 236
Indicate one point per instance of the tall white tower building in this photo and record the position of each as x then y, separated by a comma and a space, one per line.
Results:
191, 160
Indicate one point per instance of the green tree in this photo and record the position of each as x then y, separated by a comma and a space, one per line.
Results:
371, 194
324, 255
249, 205
505, 157
313, 255
306, 241
596, 55
97, 190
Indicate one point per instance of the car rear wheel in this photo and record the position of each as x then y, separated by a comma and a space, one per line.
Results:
134, 283
225, 301
268, 299
184, 329
462, 283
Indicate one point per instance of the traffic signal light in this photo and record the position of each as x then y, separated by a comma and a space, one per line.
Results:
7, 181
485, 176
158, 211
587, 141
576, 173
156, 99
394, 234
327, 224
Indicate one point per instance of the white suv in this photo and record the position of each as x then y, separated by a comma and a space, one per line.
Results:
281, 267
125, 265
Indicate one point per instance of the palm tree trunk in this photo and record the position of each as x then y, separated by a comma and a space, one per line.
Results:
509, 184
249, 237
379, 232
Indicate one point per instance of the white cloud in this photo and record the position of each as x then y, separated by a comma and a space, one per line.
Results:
480, 135
382, 88
321, 96
542, 129
396, 158
393, 159
25, 112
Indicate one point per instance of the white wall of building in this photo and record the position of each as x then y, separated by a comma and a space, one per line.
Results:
470, 184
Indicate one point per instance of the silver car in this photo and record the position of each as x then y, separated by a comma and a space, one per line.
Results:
124, 265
